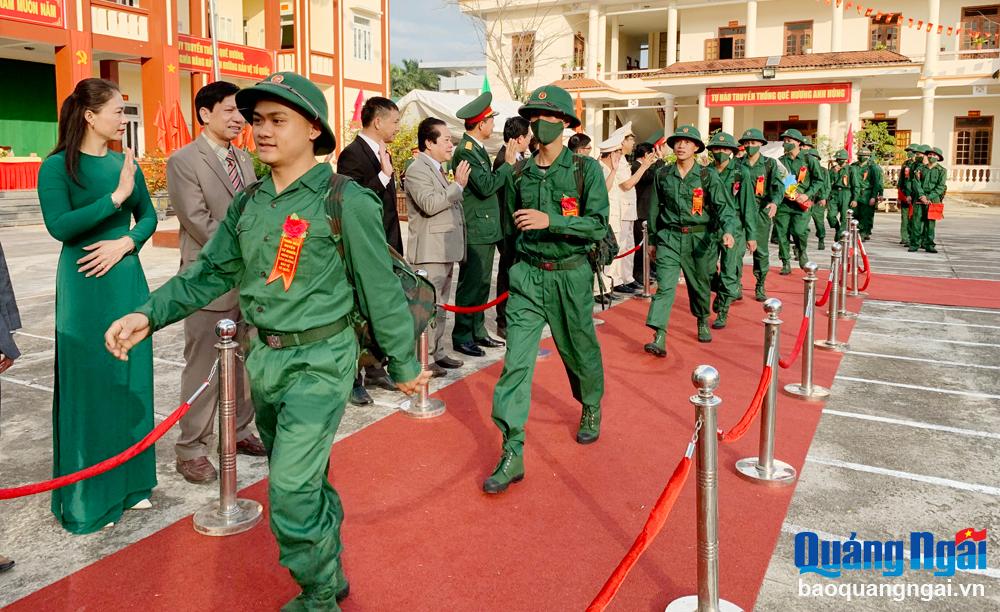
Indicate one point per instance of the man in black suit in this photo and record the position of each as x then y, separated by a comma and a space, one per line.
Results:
643, 191
10, 320
366, 160
516, 129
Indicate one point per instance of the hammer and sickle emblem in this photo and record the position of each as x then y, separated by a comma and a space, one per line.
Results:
81, 57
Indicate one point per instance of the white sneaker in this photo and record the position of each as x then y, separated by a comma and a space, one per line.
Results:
142, 504
108, 525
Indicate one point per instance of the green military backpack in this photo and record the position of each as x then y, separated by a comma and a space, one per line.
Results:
420, 293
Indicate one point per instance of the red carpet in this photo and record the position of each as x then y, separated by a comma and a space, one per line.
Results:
420, 535
940, 291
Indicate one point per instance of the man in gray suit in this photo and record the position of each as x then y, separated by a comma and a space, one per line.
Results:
10, 319
202, 178
436, 223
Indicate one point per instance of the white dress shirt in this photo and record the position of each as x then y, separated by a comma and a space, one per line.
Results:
377, 148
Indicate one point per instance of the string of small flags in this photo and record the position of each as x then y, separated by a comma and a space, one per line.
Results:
919, 24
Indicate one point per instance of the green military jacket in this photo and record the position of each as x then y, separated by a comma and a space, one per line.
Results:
845, 179
903, 182
242, 252
480, 200
811, 182
870, 177
672, 200
932, 182
765, 181
737, 192
545, 189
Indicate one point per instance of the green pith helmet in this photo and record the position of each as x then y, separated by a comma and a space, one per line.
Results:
911, 148
477, 110
793, 134
937, 151
722, 139
813, 153
657, 136
550, 99
296, 91
688, 132
807, 141
752, 134
841, 155
864, 153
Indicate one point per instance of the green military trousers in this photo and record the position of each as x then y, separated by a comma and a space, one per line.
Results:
761, 258
904, 223
695, 255
836, 214
563, 299
794, 223
474, 277
865, 214
728, 281
818, 214
299, 394
921, 228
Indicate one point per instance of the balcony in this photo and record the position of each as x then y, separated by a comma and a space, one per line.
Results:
286, 60
113, 19
321, 65
961, 179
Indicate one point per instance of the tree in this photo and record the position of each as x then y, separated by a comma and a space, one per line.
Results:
875, 136
411, 76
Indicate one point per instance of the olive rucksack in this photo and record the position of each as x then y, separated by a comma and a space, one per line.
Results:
420, 293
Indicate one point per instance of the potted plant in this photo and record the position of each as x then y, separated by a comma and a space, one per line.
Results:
154, 169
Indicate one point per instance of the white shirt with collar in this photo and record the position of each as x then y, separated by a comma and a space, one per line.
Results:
222, 153
377, 148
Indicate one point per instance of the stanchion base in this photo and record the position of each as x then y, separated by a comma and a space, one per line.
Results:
689, 603
543, 353
826, 345
858, 294
208, 521
781, 474
814, 392
412, 408
598, 321
846, 314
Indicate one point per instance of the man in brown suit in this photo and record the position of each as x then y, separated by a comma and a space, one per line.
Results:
202, 178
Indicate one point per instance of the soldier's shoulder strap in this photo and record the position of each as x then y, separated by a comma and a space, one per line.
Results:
246, 194
578, 163
334, 198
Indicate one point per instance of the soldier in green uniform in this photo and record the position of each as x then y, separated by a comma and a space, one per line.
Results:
793, 214
481, 206
767, 188
737, 191
559, 205
917, 166
819, 211
844, 187
870, 176
930, 186
688, 209
302, 365
902, 195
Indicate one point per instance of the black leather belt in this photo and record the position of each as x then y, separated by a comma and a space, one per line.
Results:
280, 340
566, 264
688, 229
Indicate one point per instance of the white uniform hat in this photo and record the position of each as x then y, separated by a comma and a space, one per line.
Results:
613, 143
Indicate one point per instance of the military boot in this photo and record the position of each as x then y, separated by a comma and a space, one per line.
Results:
822, 244
704, 333
509, 470
590, 425
759, 294
343, 586
658, 346
803, 260
786, 268
721, 318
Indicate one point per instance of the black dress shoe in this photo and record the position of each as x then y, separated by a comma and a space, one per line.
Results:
635, 285
489, 342
603, 300
436, 370
623, 289
360, 397
5, 563
471, 349
449, 363
502, 332
383, 382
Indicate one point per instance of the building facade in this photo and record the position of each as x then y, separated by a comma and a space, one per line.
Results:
928, 69
159, 52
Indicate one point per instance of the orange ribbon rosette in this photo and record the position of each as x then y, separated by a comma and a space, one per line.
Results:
286, 262
570, 207
697, 201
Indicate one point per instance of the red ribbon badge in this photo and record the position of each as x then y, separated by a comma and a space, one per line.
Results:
570, 207
802, 173
697, 201
758, 188
736, 188
286, 262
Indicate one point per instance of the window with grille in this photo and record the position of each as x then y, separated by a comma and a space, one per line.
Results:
362, 38
732, 42
523, 53
798, 37
662, 55
973, 140
903, 140
579, 51
980, 25
884, 33
712, 49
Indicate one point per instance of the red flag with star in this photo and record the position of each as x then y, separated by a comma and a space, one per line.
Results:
970, 534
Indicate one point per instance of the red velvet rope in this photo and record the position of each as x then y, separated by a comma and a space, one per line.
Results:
629, 252
787, 363
99, 468
826, 293
743, 425
867, 267
471, 309
657, 517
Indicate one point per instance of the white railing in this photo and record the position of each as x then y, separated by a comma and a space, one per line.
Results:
978, 179
632, 74
321, 64
286, 61
130, 23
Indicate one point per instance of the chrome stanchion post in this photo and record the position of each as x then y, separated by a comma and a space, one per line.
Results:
229, 515
764, 468
845, 260
806, 389
831, 344
425, 406
647, 282
855, 257
706, 379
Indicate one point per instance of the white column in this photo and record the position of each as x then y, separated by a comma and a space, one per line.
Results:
602, 44
613, 62
927, 118
671, 34
728, 119
933, 38
598, 135
668, 114
751, 36
592, 42
748, 119
588, 123
654, 50
837, 31
854, 108
703, 116
823, 121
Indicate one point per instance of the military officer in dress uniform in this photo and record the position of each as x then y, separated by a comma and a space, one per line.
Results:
902, 195
819, 212
557, 224
844, 188
738, 193
767, 188
932, 186
688, 209
870, 176
793, 214
482, 222
302, 366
